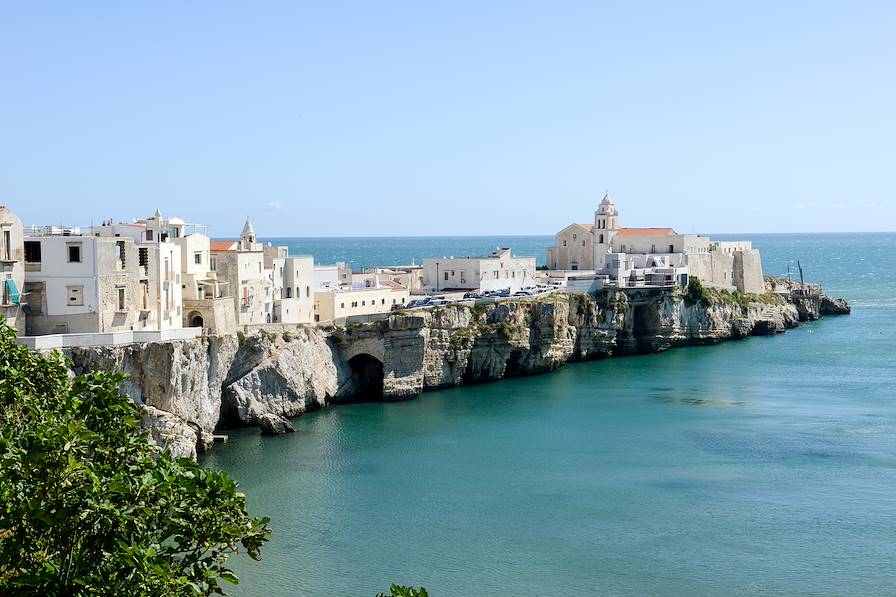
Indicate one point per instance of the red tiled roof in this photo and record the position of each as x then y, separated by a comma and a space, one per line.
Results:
391, 284
645, 232
222, 245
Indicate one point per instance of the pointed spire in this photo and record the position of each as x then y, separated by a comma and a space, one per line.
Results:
158, 214
248, 230
606, 200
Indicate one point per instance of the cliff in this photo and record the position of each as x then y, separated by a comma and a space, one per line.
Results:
186, 389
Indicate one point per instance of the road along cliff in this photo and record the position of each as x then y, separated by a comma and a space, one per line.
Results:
186, 389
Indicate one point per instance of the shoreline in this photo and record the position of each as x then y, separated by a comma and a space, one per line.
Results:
187, 391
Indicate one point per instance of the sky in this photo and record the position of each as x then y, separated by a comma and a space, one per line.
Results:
450, 118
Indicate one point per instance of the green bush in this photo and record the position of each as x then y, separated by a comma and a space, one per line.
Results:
88, 506
696, 293
399, 591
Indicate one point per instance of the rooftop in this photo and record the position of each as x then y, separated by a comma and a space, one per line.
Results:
646, 232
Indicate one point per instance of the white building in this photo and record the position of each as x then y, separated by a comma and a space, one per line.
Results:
642, 256
337, 304
159, 267
332, 276
12, 270
77, 283
409, 276
293, 282
498, 271
240, 264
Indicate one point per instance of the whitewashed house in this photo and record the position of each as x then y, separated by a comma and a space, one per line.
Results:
497, 271
338, 304
77, 283
292, 278
240, 265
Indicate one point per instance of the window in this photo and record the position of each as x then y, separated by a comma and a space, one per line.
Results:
120, 292
259, 267
363, 303
213, 263
601, 241
75, 295
446, 276
671, 248
307, 291
342, 305
197, 258
564, 243
575, 237
143, 257
121, 252
32, 251
583, 243
7, 244
653, 248
74, 252
382, 301
149, 235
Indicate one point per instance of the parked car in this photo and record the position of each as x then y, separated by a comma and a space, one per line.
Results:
502, 292
438, 302
472, 295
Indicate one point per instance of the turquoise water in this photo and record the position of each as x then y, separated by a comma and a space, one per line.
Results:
766, 466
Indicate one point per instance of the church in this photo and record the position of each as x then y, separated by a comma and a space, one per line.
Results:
653, 256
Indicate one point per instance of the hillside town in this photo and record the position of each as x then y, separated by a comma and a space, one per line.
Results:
158, 278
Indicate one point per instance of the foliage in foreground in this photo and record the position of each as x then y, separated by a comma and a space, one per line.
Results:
399, 591
87, 504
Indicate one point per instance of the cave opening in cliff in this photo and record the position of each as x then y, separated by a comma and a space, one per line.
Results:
367, 372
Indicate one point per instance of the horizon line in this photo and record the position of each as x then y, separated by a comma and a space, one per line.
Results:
332, 236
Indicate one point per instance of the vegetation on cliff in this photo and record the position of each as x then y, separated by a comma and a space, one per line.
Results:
88, 506
696, 293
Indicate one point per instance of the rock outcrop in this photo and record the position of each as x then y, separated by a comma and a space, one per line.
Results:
186, 389
833, 306
271, 424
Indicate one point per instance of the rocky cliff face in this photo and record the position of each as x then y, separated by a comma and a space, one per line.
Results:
186, 389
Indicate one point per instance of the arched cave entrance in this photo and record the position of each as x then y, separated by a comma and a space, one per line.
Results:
367, 373
195, 319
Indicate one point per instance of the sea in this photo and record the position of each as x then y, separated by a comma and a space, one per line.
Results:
765, 466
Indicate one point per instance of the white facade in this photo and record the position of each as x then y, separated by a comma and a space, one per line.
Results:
656, 256
338, 304
82, 284
160, 266
292, 280
498, 271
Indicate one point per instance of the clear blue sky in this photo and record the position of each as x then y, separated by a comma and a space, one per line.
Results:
417, 118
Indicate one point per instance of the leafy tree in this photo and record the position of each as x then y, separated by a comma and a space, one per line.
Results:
88, 506
399, 591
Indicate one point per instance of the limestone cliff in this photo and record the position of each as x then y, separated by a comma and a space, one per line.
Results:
186, 389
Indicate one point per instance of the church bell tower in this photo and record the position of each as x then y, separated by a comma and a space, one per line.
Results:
606, 225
